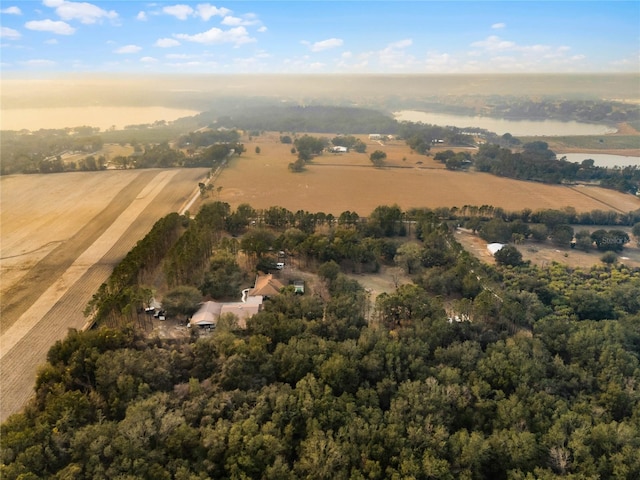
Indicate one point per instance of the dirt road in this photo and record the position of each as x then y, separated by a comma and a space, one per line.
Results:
41, 305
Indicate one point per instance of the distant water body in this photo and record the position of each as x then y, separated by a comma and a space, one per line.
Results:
97, 117
516, 128
602, 159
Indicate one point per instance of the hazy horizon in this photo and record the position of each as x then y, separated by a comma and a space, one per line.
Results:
193, 91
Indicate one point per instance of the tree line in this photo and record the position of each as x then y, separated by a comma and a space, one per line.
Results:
538, 163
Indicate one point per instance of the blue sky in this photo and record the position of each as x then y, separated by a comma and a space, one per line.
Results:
319, 36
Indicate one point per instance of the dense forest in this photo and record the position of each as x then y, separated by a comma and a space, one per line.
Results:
468, 371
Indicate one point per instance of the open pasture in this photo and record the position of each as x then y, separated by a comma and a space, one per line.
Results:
334, 183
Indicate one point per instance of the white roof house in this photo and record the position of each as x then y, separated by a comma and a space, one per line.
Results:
494, 247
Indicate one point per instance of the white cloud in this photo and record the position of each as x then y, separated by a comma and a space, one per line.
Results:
148, 60
206, 11
193, 65
38, 62
60, 28
505, 55
248, 19
166, 43
142, 16
407, 42
629, 64
237, 36
10, 33
11, 11
51, 41
511, 57
262, 29
232, 21
394, 57
354, 62
128, 49
494, 43
178, 56
326, 44
440, 62
181, 12
86, 13
497, 26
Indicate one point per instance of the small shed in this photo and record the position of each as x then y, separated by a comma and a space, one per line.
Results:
298, 286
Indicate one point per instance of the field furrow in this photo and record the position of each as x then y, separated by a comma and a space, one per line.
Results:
21, 295
21, 363
61, 294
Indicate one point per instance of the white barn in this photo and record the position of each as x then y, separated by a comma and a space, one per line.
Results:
338, 149
494, 247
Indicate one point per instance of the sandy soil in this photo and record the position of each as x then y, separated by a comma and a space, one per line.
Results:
68, 230
626, 129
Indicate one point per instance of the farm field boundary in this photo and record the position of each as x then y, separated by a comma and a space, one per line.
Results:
36, 280
62, 294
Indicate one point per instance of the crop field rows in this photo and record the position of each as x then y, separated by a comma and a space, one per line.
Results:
49, 294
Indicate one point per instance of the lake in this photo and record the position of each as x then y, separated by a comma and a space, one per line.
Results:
97, 116
522, 128
602, 159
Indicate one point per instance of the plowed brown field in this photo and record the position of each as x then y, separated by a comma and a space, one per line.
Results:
61, 236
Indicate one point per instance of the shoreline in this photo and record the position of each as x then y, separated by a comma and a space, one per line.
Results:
633, 152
